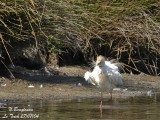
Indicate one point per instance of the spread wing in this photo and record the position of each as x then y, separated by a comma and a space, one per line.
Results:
113, 73
90, 78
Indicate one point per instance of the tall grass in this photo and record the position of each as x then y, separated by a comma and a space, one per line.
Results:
128, 31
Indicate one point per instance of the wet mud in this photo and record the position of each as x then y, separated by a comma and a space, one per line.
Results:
70, 84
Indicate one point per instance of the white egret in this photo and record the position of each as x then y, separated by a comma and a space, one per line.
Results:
105, 75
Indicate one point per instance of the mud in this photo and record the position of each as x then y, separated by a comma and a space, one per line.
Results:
70, 84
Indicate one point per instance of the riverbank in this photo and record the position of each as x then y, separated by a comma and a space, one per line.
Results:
70, 84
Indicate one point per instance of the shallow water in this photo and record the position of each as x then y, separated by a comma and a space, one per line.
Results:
142, 108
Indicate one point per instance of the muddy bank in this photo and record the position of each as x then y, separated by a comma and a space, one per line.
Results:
70, 84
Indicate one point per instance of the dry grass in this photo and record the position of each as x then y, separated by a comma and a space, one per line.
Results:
126, 31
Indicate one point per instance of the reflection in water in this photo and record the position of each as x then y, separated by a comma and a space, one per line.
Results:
142, 107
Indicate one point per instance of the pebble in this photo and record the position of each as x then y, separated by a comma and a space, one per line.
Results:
41, 86
116, 89
3, 85
31, 86
79, 84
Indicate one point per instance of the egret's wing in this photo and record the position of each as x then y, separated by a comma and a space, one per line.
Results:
110, 66
113, 60
113, 73
116, 78
87, 75
90, 78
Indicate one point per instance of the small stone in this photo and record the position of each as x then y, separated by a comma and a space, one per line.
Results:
3, 85
116, 89
79, 84
41, 86
31, 86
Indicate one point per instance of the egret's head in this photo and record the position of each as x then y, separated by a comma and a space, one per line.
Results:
100, 61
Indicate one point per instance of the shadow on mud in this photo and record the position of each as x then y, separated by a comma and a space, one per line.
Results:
58, 79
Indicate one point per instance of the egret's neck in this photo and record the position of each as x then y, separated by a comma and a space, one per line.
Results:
102, 64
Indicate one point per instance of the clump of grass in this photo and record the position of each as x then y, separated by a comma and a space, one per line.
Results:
20, 22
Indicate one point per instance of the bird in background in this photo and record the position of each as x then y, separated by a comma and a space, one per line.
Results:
105, 76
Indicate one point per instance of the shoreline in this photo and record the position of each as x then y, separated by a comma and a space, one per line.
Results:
71, 85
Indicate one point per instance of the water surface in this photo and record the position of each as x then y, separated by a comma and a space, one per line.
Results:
142, 108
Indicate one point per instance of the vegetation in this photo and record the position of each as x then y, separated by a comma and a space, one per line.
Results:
128, 31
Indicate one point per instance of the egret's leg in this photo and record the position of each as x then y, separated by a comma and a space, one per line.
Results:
101, 102
101, 99
111, 100
111, 96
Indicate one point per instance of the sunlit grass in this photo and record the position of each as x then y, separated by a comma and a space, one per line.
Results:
128, 31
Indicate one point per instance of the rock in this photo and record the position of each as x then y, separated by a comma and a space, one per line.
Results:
79, 84
116, 89
3, 85
41, 86
30, 86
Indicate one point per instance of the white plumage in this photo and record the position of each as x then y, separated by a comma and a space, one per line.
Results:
105, 75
